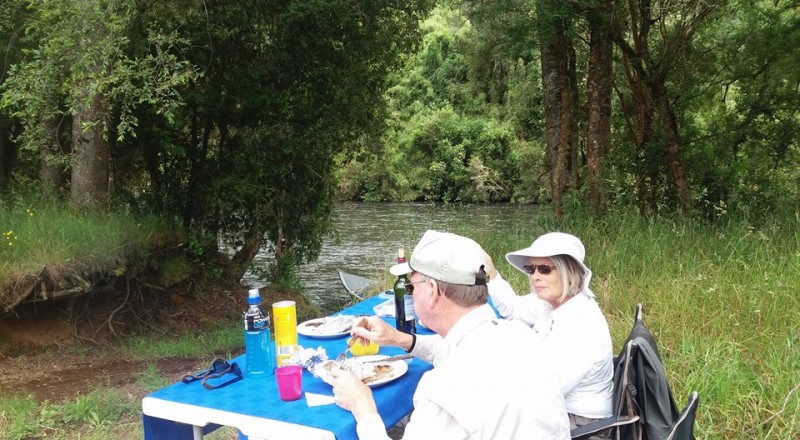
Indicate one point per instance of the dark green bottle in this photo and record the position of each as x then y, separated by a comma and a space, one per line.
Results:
405, 318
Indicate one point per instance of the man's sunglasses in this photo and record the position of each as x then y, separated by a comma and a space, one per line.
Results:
218, 369
543, 269
410, 286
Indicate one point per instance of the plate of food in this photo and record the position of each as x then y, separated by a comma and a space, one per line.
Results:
326, 328
370, 369
384, 372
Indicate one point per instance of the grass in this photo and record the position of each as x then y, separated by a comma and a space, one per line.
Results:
44, 233
94, 415
225, 339
105, 413
721, 299
100, 415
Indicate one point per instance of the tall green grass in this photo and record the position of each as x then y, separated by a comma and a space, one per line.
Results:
722, 300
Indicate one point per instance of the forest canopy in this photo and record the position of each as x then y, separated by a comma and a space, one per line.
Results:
245, 120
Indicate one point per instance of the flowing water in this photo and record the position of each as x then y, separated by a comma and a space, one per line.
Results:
368, 235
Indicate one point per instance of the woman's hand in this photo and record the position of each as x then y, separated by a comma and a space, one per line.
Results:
490, 269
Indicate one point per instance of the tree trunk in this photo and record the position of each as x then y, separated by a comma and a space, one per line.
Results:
598, 97
638, 113
201, 140
675, 27
670, 127
253, 239
558, 101
90, 175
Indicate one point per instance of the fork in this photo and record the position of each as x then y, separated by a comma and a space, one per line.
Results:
343, 355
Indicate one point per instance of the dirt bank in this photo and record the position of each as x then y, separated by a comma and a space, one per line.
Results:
57, 350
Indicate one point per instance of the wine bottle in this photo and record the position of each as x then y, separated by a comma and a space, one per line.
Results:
405, 319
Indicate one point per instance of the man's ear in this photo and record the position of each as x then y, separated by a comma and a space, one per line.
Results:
436, 296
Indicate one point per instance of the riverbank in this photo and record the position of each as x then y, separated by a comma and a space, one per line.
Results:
98, 310
720, 298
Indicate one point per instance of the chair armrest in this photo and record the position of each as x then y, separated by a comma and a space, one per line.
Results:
598, 426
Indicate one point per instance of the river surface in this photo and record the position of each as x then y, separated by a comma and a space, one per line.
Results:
368, 235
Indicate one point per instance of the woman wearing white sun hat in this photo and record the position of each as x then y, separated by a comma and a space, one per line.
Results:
562, 310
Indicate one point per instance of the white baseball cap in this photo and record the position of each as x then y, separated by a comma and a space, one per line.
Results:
550, 244
445, 257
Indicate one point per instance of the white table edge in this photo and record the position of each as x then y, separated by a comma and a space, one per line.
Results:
253, 427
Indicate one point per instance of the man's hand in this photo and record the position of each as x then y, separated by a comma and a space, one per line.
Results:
375, 329
351, 394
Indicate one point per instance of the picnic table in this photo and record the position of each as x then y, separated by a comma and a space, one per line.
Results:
188, 411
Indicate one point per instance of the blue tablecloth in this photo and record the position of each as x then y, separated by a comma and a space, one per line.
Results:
259, 397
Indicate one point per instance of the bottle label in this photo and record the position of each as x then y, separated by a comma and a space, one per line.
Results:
255, 322
409, 307
260, 322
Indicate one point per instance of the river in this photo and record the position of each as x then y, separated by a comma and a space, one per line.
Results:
367, 236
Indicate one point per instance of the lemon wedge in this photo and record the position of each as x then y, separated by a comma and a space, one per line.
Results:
364, 350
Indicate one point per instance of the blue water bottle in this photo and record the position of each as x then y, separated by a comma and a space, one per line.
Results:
257, 343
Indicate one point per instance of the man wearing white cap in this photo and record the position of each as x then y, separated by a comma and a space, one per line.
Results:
562, 311
489, 379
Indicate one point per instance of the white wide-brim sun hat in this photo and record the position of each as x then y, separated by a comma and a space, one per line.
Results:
550, 244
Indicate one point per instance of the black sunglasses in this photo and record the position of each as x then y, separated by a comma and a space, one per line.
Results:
218, 369
410, 286
543, 269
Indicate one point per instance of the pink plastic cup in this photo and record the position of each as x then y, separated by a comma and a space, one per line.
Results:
290, 382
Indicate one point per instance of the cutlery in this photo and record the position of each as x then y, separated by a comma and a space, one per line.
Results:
343, 355
389, 359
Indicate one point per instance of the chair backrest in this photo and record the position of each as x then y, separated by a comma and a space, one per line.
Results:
643, 405
655, 404
625, 404
354, 284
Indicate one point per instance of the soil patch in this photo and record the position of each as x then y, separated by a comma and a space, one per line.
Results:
60, 377
55, 351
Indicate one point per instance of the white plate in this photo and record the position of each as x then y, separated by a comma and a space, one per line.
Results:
399, 368
329, 327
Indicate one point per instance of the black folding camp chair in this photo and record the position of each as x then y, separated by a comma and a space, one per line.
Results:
642, 394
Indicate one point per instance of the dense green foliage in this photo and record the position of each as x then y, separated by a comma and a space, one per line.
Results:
466, 118
452, 135
242, 121
224, 115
